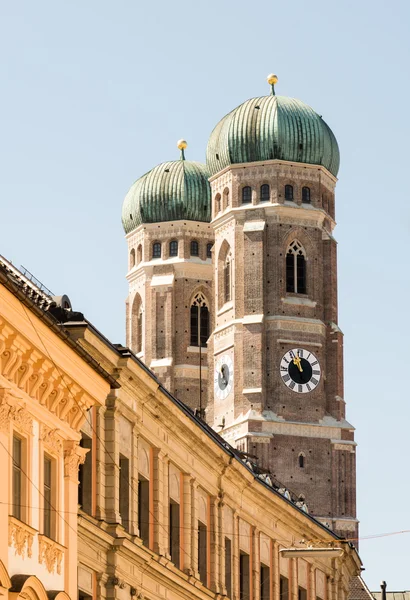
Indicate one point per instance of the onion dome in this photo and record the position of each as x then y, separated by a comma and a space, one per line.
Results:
272, 127
171, 191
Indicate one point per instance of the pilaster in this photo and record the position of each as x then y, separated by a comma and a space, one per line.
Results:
112, 485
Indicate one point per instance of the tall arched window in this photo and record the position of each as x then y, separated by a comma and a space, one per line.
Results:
288, 192
228, 279
139, 254
296, 268
194, 248
132, 258
209, 250
156, 250
246, 195
306, 195
173, 248
226, 197
137, 325
217, 203
301, 459
265, 193
199, 321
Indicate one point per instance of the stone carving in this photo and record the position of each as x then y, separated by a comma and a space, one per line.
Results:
74, 456
51, 439
21, 537
50, 553
10, 411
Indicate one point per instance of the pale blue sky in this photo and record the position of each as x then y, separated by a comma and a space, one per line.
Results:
95, 93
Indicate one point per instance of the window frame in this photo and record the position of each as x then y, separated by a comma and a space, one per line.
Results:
209, 247
262, 192
155, 246
18, 501
199, 337
296, 269
246, 191
306, 193
194, 245
289, 192
173, 245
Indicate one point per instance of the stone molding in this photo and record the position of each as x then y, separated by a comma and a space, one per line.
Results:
50, 553
21, 537
51, 439
74, 456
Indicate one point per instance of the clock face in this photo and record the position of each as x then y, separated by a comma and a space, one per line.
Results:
300, 370
223, 376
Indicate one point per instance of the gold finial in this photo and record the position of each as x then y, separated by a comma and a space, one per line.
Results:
182, 144
272, 79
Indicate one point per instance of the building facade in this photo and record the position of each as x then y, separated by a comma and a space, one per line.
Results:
274, 351
47, 385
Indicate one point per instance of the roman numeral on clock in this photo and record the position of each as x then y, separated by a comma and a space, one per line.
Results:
286, 378
314, 380
292, 385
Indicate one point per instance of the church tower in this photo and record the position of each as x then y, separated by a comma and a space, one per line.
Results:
166, 217
276, 372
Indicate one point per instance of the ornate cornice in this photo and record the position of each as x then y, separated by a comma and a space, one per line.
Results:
21, 536
36, 375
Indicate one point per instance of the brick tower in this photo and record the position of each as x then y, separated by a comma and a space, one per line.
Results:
166, 216
276, 382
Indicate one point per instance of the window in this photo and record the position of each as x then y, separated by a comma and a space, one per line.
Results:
227, 280
288, 192
132, 258
228, 567
199, 321
301, 461
173, 248
244, 577
143, 509
202, 552
246, 194
84, 476
296, 269
218, 203
138, 347
209, 250
265, 193
226, 198
17, 477
156, 250
265, 583
48, 499
124, 492
284, 588
306, 195
174, 539
139, 254
302, 594
194, 248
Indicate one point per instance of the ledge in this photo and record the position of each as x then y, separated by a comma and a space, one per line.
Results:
227, 306
196, 349
299, 300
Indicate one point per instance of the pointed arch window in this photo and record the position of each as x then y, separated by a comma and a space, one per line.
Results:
246, 194
139, 254
226, 198
306, 195
296, 268
173, 248
288, 192
228, 279
199, 320
217, 203
265, 193
194, 248
138, 347
156, 250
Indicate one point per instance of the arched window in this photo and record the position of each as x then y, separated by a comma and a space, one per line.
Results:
209, 250
296, 268
265, 193
199, 320
217, 203
227, 279
132, 258
139, 254
301, 460
288, 192
194, 248
173, 248
306, 195
246, 195
137, 325
226, 197
156, 250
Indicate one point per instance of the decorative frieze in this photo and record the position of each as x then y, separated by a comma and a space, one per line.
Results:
21, 537
51, 439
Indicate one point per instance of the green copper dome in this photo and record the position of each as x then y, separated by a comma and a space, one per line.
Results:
272, 127
172, 191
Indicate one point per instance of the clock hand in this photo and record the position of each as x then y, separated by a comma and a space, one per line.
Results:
296, 361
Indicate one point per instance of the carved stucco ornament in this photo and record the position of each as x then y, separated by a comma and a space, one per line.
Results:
21, 537
74, 456
10, 410
51, 439
50, 554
